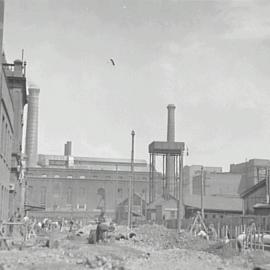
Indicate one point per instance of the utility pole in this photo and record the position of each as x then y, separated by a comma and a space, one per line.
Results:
180, 201
202, 190
267, 185
130, 197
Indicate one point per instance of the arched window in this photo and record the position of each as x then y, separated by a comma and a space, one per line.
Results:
43, 193
101, 202
69, 195
56, 190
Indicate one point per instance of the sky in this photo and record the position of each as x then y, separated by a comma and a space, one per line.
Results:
209, 58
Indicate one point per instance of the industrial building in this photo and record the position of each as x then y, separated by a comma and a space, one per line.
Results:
217, 184
255, 199
76, 187
252, 171
195, 171
69, 186
13, 100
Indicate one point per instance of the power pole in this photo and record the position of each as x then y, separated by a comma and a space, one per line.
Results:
202, 190
267, 185
180, 204
130, 197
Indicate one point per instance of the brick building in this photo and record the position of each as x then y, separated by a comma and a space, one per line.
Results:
65, 185
16, 82
217, 184
194, 171
252, 171
13, 100
254, 197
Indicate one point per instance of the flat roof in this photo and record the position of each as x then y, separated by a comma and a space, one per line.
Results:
220, 203
93, 159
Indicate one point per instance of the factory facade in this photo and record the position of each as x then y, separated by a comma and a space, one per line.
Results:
13, 100
77, 187
69, 186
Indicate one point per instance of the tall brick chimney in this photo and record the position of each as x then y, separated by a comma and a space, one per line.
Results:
170, 160
68, 148
171, 123
31, 143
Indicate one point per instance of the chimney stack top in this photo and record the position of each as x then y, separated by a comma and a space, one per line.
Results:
171, 106
33, 90
68, 146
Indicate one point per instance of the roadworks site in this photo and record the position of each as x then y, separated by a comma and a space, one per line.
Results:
145, 247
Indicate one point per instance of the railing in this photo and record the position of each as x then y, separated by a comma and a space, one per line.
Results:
11, 68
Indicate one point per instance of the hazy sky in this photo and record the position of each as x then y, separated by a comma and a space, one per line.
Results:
210, 58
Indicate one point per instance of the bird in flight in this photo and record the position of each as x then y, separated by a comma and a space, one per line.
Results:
112, 61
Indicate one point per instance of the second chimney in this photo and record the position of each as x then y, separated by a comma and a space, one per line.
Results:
171, 124
68, 148
31, 142
170, 160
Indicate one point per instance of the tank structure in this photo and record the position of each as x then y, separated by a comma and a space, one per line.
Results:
171, 153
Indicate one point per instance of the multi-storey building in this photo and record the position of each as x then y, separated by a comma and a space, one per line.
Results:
217, 184
252, 171
65, 185
195, 171
16, 83
13, 99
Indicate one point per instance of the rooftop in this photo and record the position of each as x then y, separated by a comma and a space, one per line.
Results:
219, 203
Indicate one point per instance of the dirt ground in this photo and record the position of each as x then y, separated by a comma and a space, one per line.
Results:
147, 251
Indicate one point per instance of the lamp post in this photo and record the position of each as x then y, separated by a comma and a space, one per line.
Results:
131, 183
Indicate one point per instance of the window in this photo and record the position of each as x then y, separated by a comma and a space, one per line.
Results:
56, 191
101, 200
69, 195
69, 176
172, 214
81, 206
81, 198
6, 141
60, 163
43, 194
56, 176
82, 177
120, 193
44, 175
261, 174
2, 135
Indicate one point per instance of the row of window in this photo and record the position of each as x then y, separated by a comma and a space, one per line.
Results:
3, 201
69, 193
83, 176
81, 196
6, 140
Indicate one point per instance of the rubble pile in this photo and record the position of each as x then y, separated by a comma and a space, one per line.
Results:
222, 249
102, 263
145, 247
158, 237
